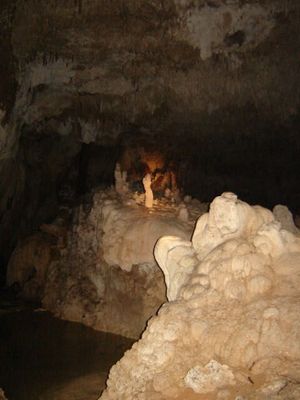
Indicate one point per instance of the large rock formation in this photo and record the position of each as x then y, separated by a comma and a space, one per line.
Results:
100, 270
231, 327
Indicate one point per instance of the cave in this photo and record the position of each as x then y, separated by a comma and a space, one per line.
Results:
150, 199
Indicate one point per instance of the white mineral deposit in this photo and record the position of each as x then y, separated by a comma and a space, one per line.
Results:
107, 254
121, 184
231, 326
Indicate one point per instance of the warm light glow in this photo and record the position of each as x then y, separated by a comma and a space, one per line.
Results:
154, 160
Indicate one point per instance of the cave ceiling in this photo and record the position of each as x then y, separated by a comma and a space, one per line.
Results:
97, 69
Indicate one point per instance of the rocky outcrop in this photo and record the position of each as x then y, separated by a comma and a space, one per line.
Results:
231, 326
285, 217
107, 276
100, 270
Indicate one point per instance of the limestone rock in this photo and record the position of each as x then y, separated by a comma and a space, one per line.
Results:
228, 218
209, 378
100, 269
237, 303
125, 228
285, 217
168, 251
217, 28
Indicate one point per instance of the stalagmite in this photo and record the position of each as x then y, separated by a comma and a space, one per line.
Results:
121, 184
183, 213
148, 191
233, 313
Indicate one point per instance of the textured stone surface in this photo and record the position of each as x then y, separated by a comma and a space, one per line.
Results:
104, 78
100, 270
225, 27
210, 377
112, 282
29, 264
107, 276
285, 217
102, 72
232, 327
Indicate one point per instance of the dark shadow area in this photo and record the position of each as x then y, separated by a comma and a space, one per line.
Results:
259, 160
48, 353
51, 171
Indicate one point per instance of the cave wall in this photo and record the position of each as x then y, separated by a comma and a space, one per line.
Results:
214, 83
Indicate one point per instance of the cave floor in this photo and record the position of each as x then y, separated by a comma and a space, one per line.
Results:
42, 357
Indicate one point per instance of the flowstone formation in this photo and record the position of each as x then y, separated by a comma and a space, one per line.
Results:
231, 328
99, 269
107, 276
